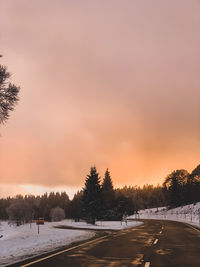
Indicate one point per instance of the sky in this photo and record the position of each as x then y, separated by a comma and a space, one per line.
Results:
111, 83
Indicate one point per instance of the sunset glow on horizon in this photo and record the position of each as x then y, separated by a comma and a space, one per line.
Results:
113, 84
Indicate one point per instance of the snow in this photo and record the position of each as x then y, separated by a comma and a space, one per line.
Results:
188, 213
22, 242
102, 225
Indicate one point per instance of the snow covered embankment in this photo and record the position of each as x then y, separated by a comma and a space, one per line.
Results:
188, 214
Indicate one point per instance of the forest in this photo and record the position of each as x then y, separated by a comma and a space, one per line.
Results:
100, 200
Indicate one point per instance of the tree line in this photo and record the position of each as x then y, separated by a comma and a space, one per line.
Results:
100, 200
23, 209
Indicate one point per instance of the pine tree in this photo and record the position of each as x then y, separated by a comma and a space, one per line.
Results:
92, 195
108, 195
8, 94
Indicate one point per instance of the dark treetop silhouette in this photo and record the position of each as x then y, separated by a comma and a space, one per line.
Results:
8, 94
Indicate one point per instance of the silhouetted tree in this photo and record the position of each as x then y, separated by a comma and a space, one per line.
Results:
193, 186
121, 204
76, 206
29, 204
175, 183
108, 196
92, 196
8, 94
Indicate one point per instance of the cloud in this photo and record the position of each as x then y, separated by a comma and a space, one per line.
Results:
111, 83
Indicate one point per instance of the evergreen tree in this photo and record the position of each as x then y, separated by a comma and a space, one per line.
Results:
8, 94
108, 195
92, 196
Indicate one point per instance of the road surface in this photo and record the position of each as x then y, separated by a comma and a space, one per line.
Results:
155, 243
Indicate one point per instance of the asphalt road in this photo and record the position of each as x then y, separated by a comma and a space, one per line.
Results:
155, 243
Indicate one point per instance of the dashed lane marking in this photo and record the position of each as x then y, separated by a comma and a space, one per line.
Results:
155, 241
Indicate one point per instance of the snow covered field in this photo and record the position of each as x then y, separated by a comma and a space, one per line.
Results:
19, 243
22, 242
189, 213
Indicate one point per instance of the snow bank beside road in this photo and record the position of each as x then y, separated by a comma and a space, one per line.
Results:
188, 213
22, 242
101, 225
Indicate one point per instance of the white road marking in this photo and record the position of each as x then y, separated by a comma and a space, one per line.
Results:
63, 251
160, 232
198, 230
155, 242
162, 227
147, 264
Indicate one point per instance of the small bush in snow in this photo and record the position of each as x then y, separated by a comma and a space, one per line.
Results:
57, 214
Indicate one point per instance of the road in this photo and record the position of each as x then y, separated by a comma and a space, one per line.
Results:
155, 243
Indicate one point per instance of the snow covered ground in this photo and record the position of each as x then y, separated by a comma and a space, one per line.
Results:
103, 225
188, 213
22, 242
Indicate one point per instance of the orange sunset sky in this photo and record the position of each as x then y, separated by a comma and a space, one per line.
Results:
111, 83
